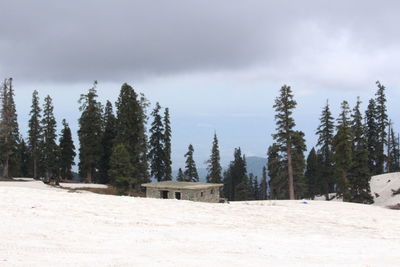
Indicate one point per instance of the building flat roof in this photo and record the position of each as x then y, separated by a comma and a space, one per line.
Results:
181, 185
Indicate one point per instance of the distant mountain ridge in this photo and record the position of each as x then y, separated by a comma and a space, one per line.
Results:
254, 166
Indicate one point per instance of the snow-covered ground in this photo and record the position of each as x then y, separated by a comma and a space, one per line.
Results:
45, 226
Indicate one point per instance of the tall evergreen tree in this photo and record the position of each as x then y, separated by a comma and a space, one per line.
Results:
284, 106
312, 174
372, 136
382, 122
214, 166
190, 173
276, 172
107, 139
9, 134
325, 133
236, 181
23, 157
50, 148
35, 133
121, 169
393, 164
157, 150
167, 146
359, 176
342, 144
90, 129
263, 185
67, 152
180, 177
255, 186
131, 131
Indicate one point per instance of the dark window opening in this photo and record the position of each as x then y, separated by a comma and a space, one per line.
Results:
201, 194
164, 194
212, 191
178, 195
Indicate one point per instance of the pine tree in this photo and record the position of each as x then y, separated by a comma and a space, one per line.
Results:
90, 124
342, 151
214, 166
190, 173
131, 131
236, 182
312, 174
167, 146
9, 134
263, 185
157, 150
35, 133
276, 172
121, 169
255, 186
107, 139
393, 164
299, 163
23, 156
50, 148
67, 152
325, 132
382, 122
180, 177
359, 176
284, 106
372, 136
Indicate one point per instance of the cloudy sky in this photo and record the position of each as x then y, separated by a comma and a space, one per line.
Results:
218, 65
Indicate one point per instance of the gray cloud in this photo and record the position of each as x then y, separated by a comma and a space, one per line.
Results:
116, 40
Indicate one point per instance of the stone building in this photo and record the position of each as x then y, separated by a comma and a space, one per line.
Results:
205, 192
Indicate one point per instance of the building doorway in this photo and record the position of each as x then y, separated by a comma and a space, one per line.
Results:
178, 195
164, 194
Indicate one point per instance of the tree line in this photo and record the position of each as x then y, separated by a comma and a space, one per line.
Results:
115, 148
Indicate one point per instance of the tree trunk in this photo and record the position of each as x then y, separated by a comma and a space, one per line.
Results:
5, 168
89, 176
290, 172
35, 169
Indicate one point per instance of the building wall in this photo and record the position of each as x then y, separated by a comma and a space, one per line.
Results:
187, 194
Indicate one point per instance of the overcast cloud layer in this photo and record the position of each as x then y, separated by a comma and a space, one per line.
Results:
209, 61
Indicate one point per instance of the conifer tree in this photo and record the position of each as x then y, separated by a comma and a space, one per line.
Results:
121, 169
157, 149
276, 172
284, 106
299, 163
167, 146
255, 186
50, 148
325, 133
190, 173
67, 152
372, 136
342, 143
107, 139
90, 124
9, 134
359, 176
312, 174
236, 182
263, 185
393, 164
180, 177
214, 166
35, 133
23, 158
382, 122
131, 131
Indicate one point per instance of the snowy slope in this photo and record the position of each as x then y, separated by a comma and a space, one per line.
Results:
382, 186
45, 226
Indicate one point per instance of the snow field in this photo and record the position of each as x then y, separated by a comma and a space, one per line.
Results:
52, 227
